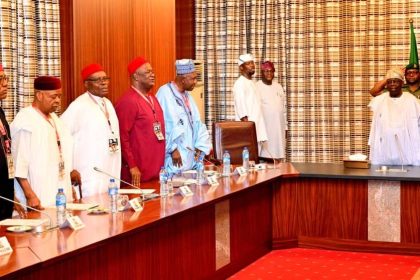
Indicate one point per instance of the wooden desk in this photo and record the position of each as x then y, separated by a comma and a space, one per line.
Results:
209, 235
219, 230
329, 206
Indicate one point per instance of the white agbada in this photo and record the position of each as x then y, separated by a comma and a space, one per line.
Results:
86, 120
395, 130
248, 103
36, 155
274, 109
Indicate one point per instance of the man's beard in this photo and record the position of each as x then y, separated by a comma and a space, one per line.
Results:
408, 82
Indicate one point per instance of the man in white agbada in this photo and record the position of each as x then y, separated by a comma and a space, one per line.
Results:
186, 135
273, 105
395, 130
93, 123
42, 148
247, 99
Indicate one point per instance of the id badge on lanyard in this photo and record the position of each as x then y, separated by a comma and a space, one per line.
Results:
157, 128
9, 159
7, 148
113, 144
61, 169
10, 165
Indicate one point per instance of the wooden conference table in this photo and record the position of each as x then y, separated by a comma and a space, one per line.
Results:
221, 229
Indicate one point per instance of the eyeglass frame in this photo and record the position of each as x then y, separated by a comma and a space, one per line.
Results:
100, 80
3, 79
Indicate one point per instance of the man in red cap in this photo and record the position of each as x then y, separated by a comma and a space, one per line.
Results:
42, 148
6, 160
142, 127
274, 110
93, 123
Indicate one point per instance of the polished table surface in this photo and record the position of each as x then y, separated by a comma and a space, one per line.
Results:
59, 243
337, 170
37, 250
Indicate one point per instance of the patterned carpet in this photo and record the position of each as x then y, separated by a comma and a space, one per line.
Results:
311, 264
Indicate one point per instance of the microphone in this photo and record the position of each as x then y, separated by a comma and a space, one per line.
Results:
400, 153
191, 150
38, 229
113, 177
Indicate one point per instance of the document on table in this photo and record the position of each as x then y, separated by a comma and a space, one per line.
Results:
23, 222
81, 206
136, 191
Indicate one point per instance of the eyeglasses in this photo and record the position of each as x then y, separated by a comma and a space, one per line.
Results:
99, 80
4, 79
411, 72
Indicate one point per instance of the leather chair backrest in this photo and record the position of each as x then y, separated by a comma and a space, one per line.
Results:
234, 136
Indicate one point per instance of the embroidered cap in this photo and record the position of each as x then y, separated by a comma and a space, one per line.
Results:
184, 66
267, 65
394, 73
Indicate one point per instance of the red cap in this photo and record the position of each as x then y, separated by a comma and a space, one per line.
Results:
135, 64
47, 83
90, 69
1, 68
267, 65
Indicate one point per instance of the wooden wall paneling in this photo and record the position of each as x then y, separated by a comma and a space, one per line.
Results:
112, 33
330, 208
67, 54
102, 35
410, 212
285, 213
185, 29
154, 37
119, 41
333, 208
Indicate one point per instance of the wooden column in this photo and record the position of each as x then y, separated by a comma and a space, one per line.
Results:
112, 33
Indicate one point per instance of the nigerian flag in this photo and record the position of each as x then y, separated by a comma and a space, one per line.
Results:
414, 57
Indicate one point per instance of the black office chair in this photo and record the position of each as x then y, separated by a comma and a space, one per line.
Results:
233, 136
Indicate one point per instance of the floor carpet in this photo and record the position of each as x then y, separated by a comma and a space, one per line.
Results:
312, 264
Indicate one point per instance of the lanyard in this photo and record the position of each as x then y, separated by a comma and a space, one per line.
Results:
103, 110
149, 101
186, 108
57, 136
5, 140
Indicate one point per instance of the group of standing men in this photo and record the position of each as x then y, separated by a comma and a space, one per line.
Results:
44, 152
264, 103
